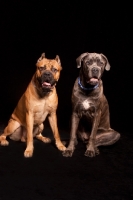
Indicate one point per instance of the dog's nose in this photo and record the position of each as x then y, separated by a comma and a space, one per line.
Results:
95, 70
47, 74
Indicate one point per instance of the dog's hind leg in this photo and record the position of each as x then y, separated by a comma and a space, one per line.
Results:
17, 134
37, 132
107, 138
10, 129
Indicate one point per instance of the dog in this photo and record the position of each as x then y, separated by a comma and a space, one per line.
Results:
90, 110
39, 101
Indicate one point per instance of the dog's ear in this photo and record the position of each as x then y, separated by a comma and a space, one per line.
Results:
107, 66
58, 60
42, 56
80, 58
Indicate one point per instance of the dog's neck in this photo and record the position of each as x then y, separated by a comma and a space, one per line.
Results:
88, 87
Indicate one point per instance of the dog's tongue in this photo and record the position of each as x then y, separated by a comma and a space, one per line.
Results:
46, 84
93, 80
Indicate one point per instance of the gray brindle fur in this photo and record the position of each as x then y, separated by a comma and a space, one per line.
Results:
90, 116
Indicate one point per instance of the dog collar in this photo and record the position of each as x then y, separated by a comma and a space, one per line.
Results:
84, 88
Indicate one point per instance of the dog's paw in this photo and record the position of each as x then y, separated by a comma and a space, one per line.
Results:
43, 139
60, 146
46, 140
4, 142
28, 153
92, 153
97, 152
67, 153
23, 139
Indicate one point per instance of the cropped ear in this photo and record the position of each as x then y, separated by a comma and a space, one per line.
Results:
58, 60
107, 66
80, 58
42, 56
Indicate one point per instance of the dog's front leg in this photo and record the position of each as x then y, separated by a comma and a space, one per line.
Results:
91, 149
53, 123
29, 126
73, 137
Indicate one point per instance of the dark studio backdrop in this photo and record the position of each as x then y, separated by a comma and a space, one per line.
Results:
29, 28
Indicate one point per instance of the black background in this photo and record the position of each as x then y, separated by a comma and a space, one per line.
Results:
29, 28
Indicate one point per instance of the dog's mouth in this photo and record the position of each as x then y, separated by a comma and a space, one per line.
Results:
93, 81
47, 85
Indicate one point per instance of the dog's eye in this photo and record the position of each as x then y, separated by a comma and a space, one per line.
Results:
100, 63
42, 68
89, 62
54, 70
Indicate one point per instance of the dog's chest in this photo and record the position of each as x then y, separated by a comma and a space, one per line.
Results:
85, 104
85, 107
40, 112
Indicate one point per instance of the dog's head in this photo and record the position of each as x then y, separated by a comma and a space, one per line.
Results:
92, 66
48, 72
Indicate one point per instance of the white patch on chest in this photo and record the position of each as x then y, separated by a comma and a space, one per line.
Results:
86, 104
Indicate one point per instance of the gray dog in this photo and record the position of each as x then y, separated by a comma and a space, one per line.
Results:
90, 116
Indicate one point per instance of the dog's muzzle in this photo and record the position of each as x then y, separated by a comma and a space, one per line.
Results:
92, 77
47, 80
